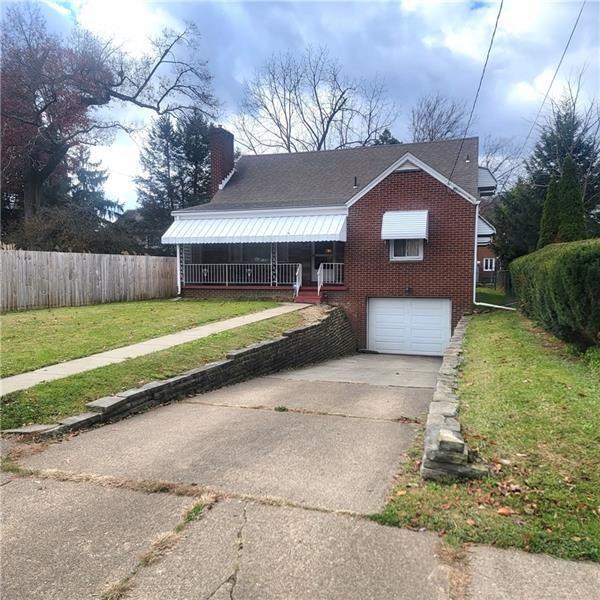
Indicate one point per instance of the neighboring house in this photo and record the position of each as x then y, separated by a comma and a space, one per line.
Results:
387, 232
487, 263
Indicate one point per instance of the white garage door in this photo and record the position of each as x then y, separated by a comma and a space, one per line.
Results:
408, 326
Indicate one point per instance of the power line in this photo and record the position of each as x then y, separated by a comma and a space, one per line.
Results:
550, 86
485, 64
554, 76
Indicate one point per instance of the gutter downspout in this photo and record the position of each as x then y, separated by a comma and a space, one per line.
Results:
475, 303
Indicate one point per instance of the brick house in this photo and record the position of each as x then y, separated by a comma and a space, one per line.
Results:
387, 232
487, 262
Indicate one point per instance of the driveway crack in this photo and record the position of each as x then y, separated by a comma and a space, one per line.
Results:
240, 550
232, 579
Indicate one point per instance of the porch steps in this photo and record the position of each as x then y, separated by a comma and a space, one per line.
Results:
309, 296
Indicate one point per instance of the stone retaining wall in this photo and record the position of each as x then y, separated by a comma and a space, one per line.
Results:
446, 454
328, 338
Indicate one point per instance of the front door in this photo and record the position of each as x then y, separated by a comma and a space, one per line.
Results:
323, 252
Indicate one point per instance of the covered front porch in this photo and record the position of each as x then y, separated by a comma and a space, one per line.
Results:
285, 249
287, 264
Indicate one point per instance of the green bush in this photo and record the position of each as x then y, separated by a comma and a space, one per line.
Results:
559, 287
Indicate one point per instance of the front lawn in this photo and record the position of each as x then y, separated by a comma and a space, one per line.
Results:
37, 338
48, 402
532, 411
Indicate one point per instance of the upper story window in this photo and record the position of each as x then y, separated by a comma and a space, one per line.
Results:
489, 264
405, 230
406, 250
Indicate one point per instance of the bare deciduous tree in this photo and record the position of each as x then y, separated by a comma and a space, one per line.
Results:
437, 117
501, 156
53, 89
296, 104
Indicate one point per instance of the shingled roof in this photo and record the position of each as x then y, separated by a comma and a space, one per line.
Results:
326, 178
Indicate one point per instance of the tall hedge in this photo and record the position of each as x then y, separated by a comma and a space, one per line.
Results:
559, 287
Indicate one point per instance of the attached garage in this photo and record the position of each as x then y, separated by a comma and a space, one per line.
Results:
408, 325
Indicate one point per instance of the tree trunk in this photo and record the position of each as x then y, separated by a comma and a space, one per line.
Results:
32, 195
34, 179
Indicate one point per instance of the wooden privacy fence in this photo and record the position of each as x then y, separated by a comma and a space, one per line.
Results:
32, 279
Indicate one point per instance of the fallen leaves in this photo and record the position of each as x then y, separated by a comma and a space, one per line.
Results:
506, 511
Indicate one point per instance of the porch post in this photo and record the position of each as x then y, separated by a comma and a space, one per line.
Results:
273, 263
178, 272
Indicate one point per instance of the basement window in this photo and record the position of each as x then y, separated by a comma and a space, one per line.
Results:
406, 250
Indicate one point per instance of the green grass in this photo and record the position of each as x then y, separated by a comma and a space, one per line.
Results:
493, 296
38, 338
47, 402
532, 411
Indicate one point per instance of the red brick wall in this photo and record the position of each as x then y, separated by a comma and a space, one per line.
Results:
446, 270
282, 294
221, 157
485, 252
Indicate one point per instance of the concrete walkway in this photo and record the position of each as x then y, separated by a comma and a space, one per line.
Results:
102, 359
290, 467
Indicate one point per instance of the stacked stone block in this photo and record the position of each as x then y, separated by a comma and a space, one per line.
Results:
446, 454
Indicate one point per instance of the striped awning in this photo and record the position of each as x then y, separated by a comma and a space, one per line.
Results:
404, 225
255, 229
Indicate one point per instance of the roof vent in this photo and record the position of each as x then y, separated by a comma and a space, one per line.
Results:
355, 182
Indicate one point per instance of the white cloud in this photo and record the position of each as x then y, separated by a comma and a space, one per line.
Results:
131, 24
59, 8
534, 91
121, 160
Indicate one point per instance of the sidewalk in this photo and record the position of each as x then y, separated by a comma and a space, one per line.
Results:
102, 359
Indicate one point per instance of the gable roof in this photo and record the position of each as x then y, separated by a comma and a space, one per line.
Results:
326, 178
484, 227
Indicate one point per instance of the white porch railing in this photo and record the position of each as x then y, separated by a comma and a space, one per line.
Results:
286, 273
319, 278
298, 280
333, 273
239, 274
259, 274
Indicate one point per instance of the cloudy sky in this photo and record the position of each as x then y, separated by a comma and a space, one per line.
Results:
417, 46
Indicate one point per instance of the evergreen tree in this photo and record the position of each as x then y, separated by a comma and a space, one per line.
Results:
569, 131
550, 215
175, 160
76, 216
571, 225
161, 157
194, 133
87, 187
384, 138
516, 218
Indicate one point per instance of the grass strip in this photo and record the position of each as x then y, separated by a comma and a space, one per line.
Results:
38, 338
48, 402
532, 411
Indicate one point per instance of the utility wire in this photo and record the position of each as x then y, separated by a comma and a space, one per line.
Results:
485, 64
549, 87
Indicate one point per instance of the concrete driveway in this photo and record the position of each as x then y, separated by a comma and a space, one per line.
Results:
335, 441
289, 467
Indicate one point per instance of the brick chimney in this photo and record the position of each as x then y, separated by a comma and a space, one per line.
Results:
221, 157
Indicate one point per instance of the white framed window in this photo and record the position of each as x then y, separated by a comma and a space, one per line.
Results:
489, 264
406, 250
